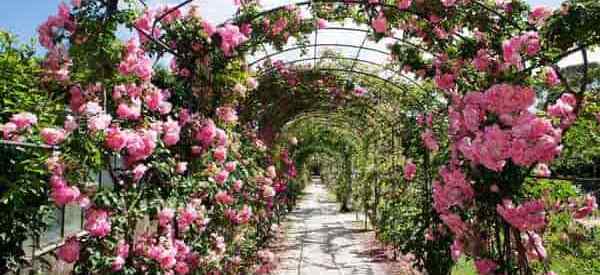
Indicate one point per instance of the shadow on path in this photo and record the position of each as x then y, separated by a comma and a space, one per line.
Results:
322, 241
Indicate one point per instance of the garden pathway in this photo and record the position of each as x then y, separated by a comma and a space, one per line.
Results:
322, 241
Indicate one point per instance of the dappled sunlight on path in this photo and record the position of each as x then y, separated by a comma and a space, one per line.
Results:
321, 241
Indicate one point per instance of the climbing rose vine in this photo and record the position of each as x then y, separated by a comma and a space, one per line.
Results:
195, 191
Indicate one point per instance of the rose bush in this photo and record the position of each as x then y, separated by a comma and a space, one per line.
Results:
196, 191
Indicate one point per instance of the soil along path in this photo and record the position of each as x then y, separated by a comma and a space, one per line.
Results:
322, 241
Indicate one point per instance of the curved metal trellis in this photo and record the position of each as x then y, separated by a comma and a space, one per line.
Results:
269, 56
266, 12
352, 70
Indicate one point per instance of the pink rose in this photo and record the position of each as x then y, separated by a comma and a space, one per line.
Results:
321, 23
207, 133
410, 170
172, 131
230, 166
184, 116
139, 171
448, 3
116, 139
429, 140
222, 176
23, 120
403, 4
542, 170
485, 267
209, 28
70, 124
65, 194
187, 216
380, 23
237, 185
539, 14
99, 122
222, 197
165, 216
69, 251
181, 167
132, 112
8, 130
52, 136
97, 222
221, 137
227, 114
220, 154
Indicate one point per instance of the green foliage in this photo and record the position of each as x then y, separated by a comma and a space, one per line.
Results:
550, 189
23, 181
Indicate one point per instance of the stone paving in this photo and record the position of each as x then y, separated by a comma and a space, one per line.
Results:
322, 241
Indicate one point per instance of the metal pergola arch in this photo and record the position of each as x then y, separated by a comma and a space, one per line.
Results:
387, 81
269, 56
273, 10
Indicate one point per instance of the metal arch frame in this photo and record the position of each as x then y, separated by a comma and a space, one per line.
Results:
292, 62
305, 3
316, 44
269, 56
266, 12
263, 72
352, 70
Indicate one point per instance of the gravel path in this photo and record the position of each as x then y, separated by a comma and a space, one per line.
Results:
322, 241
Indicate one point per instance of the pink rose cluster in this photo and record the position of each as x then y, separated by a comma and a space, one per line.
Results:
97, 222
429, 140
135, 62
528, 43
189, 215
445, 81
564, 109
227, 114
144, 26
522, 136
208, 133
130, 107
53, 136
139, 145
192, 213
267, 261
237, 217
380, 24
172, 132
231, 38
539, 15
121, 253
156, 100
529, 216
57, 65
173, 256
410, 170
588, 206
456, 190
61, 192
61, 21
69, 251
18, 124
485, 266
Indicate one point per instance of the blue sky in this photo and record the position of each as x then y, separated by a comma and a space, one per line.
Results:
23, 16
